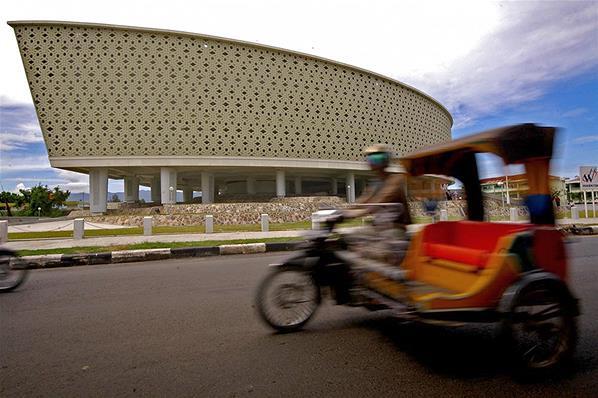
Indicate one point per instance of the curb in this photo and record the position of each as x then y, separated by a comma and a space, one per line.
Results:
127, 256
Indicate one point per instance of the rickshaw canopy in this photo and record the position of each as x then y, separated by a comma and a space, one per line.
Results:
527, 144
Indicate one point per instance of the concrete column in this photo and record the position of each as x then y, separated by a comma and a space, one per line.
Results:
251, 185
265, 223
78, 228
333, 186
314, 221
213, 190
187, 194
147, 225
131, 189
209, 224
207, 194
155, 190
298, 186
443, 215
280, 184
350, 184
513, 216
98, 190
3, 231
167, 180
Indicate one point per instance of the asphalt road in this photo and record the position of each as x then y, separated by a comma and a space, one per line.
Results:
188, 328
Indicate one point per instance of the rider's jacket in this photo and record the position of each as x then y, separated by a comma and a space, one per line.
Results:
390, 190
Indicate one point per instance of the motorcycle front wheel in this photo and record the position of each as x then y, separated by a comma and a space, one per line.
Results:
287, 298
11, 275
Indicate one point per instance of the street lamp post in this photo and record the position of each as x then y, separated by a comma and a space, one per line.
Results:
39, 212
171, 189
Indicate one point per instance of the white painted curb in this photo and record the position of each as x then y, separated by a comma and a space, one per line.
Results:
122, 256
248, 248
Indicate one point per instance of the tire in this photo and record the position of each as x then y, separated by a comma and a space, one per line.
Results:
11, 277
541, 330
287, 307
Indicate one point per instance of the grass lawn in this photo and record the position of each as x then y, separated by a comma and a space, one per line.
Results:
167, 229
149, 245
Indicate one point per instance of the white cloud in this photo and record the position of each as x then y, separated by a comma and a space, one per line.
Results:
12, 163
28, 133
473, 56
74, 182
586, 139
538, 43
18, 187
575, 112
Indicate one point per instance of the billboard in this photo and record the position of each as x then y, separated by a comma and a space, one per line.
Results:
588, 178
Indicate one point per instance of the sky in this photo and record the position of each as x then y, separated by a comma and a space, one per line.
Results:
490, 63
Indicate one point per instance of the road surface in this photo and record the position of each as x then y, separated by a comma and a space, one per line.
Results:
188, 328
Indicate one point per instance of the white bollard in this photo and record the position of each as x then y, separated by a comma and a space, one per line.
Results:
265, 223
209, 224
513, 214
314, 223
574, 213
3, 231
147, 225
443, 215
78, 228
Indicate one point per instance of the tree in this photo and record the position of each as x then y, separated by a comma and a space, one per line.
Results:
44, 199
10, 197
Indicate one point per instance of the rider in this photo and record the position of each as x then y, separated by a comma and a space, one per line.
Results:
390, 188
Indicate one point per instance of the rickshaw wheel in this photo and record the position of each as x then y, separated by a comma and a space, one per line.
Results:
287, 298
541, 329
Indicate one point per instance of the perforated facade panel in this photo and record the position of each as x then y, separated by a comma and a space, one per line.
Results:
103, 90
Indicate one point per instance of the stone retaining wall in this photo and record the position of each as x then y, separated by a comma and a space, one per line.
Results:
280, 210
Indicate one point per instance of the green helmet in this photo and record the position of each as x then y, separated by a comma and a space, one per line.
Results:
378, 155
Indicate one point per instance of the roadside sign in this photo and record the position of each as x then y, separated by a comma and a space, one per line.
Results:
588, 178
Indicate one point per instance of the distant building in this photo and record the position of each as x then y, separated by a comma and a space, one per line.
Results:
181, 111
517, 187
575, 193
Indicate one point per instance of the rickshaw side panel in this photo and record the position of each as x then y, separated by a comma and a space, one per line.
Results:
549, 251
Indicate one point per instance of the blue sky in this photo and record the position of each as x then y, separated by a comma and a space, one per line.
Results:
490, 63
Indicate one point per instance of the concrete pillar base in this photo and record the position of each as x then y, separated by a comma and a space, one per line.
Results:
298, 186
207, 188
350, 184
187, 194
131, 189
98, 190
168, 181
280, 184
155, 190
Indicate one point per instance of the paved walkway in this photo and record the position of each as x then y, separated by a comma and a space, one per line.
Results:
63, 225
133, 239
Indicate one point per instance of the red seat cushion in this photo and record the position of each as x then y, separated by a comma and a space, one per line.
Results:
470, 234
479, 258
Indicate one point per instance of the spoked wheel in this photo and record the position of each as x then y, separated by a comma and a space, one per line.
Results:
11, 275
287, 298
541, 329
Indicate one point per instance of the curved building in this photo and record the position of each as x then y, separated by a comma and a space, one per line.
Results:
174, 110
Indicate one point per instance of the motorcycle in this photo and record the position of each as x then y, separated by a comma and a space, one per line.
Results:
448, 273
12, 273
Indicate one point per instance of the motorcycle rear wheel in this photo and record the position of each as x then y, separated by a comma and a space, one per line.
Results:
287, 298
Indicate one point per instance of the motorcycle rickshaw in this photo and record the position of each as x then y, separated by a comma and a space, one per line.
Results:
450, 272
